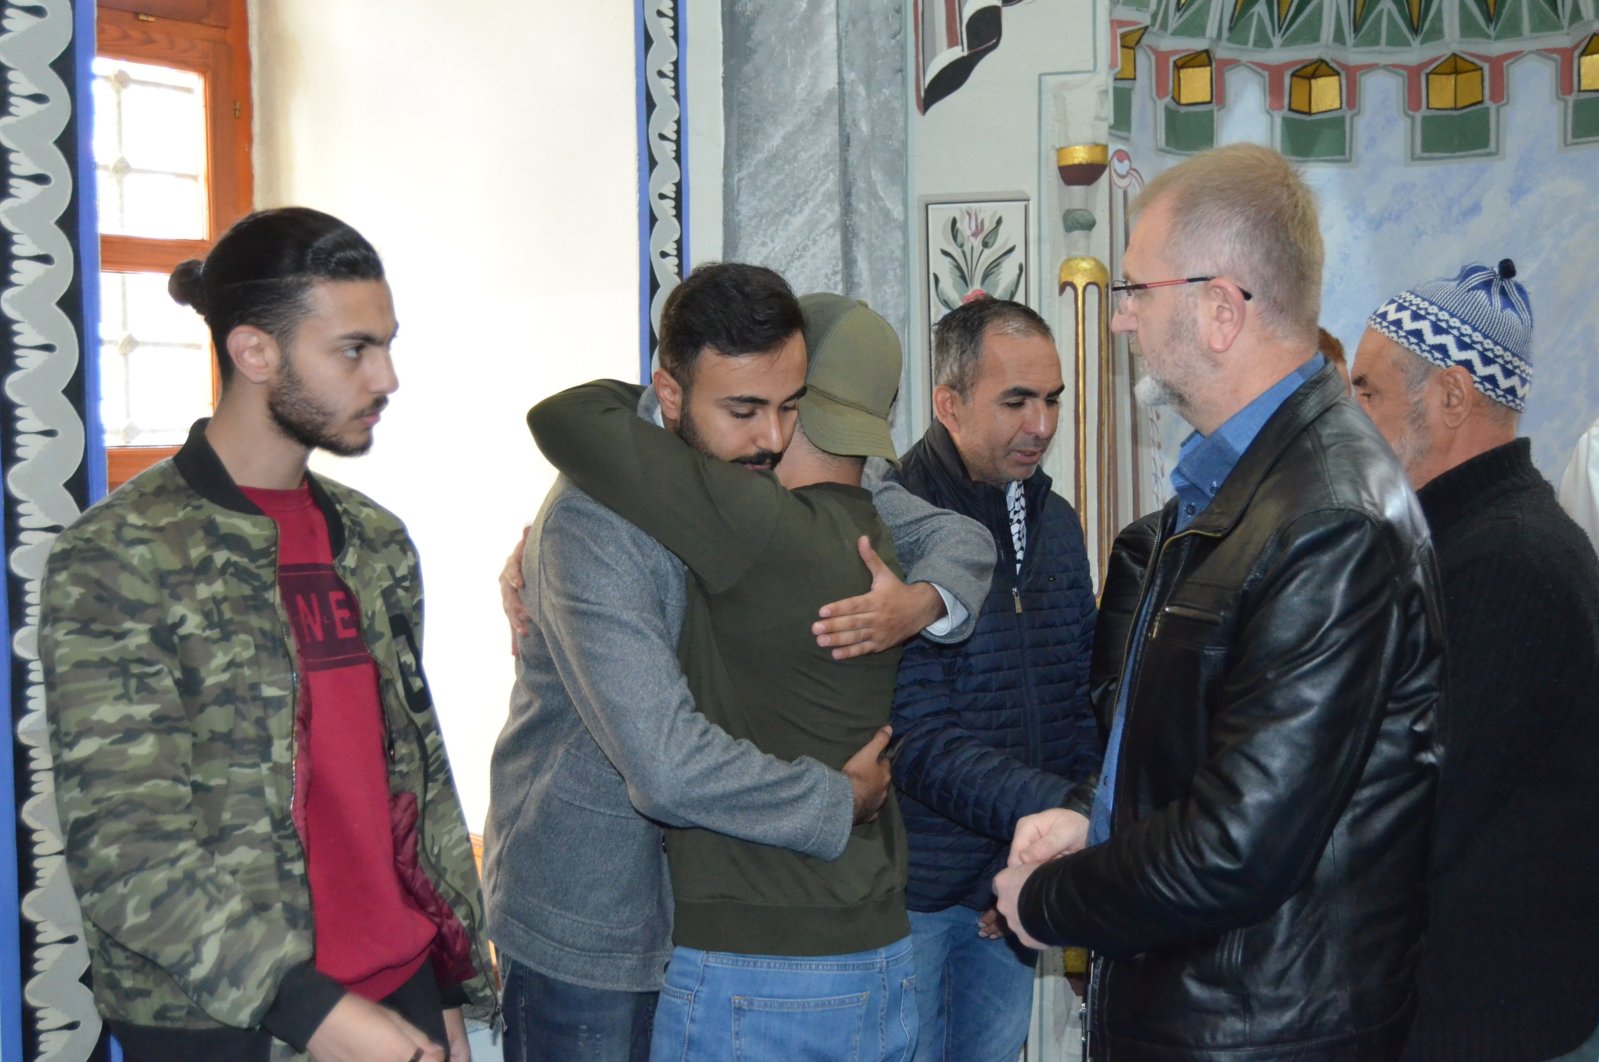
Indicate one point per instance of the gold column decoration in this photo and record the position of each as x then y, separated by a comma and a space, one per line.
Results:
1128, 182
1080, 165
1315, 88
1192, 79
1127, 68
1588, 66
1454, 84
1080, 273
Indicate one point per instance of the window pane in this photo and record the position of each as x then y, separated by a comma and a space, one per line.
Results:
156, 204
149, 149
155, 362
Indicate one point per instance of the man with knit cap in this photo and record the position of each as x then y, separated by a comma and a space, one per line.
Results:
1508, 971
778, 955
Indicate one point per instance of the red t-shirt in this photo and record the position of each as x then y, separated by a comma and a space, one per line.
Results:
370, 935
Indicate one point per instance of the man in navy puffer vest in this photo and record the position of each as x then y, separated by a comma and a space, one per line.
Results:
998, 727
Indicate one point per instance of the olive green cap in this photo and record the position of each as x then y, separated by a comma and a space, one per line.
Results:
852, 379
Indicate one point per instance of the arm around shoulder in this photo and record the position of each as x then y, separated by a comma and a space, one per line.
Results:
951, 551
601, 601
715, 515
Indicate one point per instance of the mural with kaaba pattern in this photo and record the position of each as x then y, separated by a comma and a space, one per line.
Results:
1435, 131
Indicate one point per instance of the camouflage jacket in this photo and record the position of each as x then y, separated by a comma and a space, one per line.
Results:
171, 685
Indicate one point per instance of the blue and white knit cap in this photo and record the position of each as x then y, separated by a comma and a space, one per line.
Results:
1481, 319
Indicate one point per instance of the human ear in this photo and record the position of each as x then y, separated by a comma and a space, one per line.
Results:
254, 353
945, 407
1455, 394
1222, 307
670, 394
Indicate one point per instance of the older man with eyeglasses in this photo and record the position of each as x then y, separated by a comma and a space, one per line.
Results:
1267, 665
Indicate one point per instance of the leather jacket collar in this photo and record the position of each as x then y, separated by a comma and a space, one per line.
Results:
1237, 492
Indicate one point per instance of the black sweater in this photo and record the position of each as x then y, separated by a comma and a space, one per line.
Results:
1511, 968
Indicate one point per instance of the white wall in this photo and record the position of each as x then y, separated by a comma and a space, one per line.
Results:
488, 151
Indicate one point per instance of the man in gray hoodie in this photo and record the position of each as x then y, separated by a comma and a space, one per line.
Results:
604, 744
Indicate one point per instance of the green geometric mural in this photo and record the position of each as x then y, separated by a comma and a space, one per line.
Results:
1188, 130
1121, 109
1583, 127
1459, 49
1318, 138
1451, 135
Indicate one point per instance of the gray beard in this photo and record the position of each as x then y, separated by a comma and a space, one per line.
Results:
1155, 394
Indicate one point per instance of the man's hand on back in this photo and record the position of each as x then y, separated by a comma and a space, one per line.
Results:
887, 614
870, 774
511, 590
358, 1030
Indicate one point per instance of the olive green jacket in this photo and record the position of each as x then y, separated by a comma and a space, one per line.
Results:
171, 684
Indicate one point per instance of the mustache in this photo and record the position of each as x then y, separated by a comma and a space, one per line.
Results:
376, 407
760, 459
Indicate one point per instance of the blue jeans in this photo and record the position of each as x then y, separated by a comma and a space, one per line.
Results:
721, 1007
555, 1021
975, 996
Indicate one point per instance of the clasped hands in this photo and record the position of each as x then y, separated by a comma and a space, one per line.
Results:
1039, 838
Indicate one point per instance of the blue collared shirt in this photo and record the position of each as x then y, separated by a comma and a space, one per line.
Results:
1205, 461
1203, 464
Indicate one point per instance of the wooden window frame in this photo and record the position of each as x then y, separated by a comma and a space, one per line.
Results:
211, 38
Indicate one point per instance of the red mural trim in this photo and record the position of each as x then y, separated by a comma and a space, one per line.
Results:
1351, 73
1277, 82
1566, 64
1497, 81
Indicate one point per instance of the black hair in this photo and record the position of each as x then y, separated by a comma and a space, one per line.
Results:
958, 338
733, 308
261, 269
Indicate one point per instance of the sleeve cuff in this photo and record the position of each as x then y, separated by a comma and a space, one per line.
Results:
304, 998
838, 817
1081, 797
954, 615
454, 996
1030, 907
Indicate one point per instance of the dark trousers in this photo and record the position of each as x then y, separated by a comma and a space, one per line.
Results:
554, 1021
417, 1001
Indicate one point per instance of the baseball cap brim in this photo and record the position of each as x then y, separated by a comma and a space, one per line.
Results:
839, 428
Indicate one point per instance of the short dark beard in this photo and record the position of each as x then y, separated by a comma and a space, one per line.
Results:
303, 419
764, 460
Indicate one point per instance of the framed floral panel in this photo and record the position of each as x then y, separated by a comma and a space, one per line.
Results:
972, 247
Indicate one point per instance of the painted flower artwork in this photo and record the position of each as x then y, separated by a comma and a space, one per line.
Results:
977, 256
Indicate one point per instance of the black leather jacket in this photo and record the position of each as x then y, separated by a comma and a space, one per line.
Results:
1262, 895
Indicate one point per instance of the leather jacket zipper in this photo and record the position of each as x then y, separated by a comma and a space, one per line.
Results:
1093, 1008
1094, 1005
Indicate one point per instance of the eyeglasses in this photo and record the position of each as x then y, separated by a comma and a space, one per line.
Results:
1124, 291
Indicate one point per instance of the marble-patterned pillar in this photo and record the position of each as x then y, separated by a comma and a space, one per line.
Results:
814, 133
